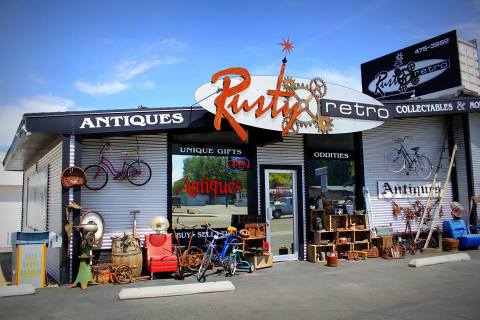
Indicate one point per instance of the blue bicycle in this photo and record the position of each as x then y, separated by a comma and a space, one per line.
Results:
227, 258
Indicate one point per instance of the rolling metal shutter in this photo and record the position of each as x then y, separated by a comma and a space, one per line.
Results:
461, 165
53, 160
427, 133
118, 198
474, 119
288, 152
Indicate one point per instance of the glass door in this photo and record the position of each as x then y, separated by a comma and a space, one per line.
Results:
281, 213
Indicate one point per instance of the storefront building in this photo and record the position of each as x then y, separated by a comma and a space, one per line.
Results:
242, 163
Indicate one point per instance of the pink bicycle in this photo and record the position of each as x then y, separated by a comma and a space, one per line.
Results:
137, 172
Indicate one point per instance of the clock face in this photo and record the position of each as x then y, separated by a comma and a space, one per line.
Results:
98, 220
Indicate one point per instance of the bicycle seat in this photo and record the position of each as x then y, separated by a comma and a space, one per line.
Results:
415, 148
130, 152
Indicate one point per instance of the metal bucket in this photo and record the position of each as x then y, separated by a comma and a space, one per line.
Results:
128, 252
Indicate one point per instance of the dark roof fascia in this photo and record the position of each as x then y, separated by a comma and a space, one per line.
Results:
110, 111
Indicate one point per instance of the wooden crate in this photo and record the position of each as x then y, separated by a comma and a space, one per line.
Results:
257, 229
321, 236
334, 222
313, 250
360, 221
261, 261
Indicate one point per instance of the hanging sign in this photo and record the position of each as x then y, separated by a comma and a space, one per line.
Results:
287, 104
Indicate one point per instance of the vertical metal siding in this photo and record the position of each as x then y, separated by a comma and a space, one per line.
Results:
288, 152
474, 119
52, 159
427, 133
118, 198
461, 165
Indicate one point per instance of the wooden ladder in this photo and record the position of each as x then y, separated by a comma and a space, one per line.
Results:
440, 198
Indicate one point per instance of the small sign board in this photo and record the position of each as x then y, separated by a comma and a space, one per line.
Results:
31, 267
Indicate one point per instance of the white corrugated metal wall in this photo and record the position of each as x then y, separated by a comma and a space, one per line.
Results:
118, 198
52, 159
461, 165
474, 119
428, 134
288, 152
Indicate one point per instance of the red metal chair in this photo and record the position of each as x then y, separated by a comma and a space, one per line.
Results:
160, 254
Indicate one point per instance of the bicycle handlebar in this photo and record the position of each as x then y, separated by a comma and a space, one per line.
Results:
404, 138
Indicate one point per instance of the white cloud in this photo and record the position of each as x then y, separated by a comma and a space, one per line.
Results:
147, 85
349, 77
125, 72
13, 113
100, 88
172, 42
129, 69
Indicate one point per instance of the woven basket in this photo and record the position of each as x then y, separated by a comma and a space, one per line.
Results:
73, 177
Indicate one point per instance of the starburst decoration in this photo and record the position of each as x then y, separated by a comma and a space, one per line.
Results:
287, 45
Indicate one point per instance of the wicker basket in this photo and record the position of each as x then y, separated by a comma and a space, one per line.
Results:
373, 252
395, 252
450, 244
73, 177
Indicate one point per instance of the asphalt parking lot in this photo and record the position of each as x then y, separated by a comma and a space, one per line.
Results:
372, 289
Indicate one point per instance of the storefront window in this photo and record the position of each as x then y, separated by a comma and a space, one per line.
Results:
331, 173
209, 184
332, 184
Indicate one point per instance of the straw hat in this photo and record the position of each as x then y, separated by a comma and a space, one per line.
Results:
457, 209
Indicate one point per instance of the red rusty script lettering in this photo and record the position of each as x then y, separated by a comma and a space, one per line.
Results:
222, 108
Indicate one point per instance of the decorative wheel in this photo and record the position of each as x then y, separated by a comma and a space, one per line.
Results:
193, 258
423, 167
232, 264
97, 177
394, 161
203, 267
138, 173
123, 274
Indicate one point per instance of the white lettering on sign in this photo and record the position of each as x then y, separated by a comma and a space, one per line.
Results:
330, 155
207, 150
140, 120
357, 110
423, 108
406, 189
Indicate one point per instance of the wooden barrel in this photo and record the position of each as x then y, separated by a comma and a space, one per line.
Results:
127, 250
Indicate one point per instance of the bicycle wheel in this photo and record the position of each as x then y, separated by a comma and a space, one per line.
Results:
193, 258
97, 177
139, 173
203, 266
423, 167
394, 161
232, 264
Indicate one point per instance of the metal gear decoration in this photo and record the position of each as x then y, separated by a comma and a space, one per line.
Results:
316, 89
325, 124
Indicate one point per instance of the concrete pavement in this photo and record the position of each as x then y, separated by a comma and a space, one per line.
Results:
372, 289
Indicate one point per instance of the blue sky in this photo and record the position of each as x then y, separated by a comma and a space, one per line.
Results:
82, 55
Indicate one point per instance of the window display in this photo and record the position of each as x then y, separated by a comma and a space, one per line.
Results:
209, 184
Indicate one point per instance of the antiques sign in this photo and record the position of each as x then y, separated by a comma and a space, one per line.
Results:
406, 189
426, 67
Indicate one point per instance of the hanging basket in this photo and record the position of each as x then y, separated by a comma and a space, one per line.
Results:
73, 177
